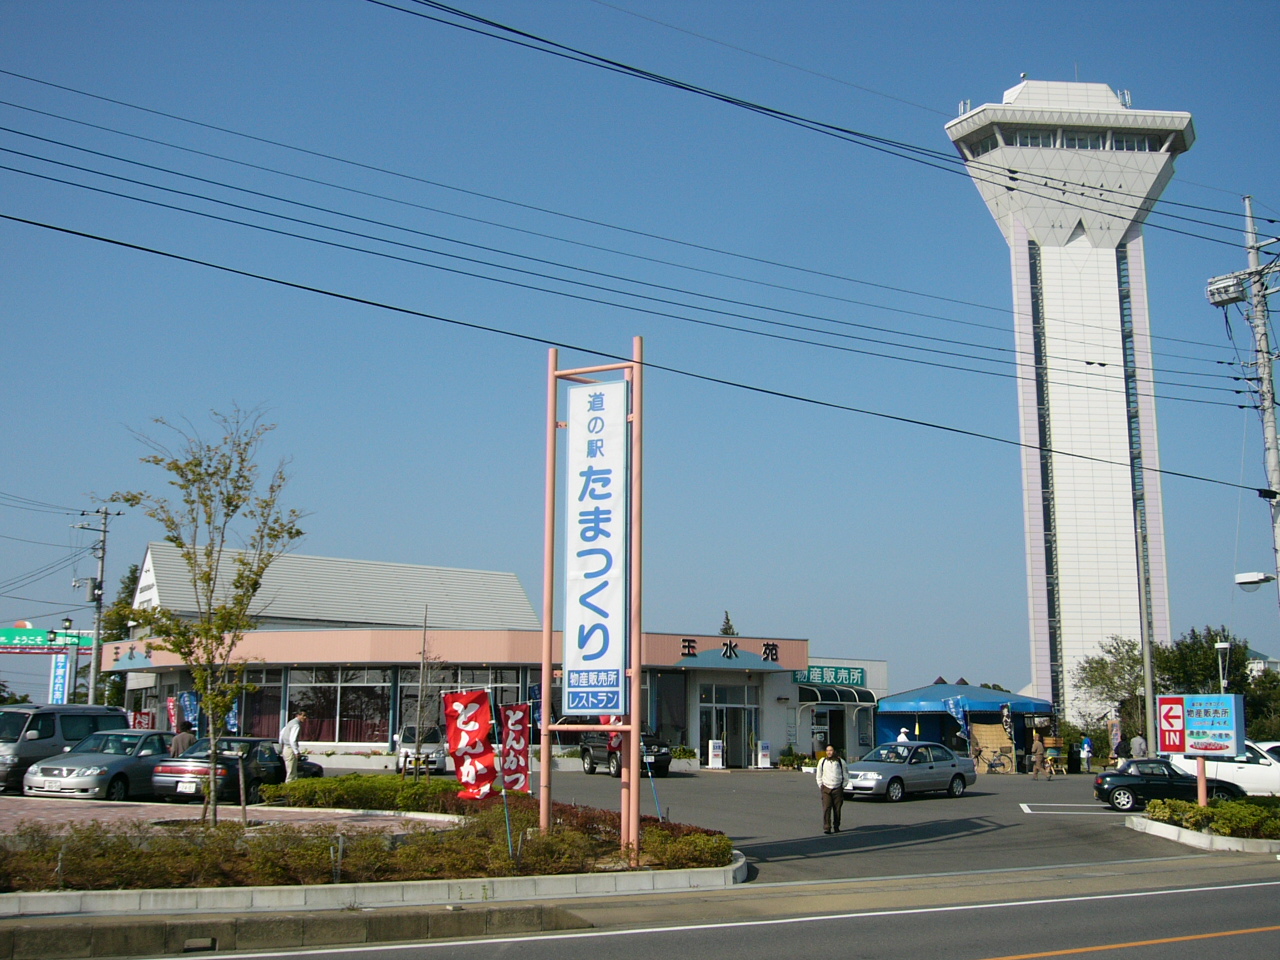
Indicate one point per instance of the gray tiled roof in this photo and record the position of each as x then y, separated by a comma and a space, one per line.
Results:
329, 592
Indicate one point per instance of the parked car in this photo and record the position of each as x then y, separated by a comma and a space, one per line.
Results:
892, 770
29, 733
1254, 771
435, 752
1153, 779
184, 777
1270, 747
108, 765
603, 748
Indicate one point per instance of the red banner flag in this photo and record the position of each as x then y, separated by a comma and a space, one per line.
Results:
468, 722
515, 746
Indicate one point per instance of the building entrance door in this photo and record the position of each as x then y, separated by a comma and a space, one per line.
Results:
736, 726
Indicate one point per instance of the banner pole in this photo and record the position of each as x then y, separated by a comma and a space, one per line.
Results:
637, 635
548, 601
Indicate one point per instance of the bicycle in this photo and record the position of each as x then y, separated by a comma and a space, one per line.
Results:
998, 763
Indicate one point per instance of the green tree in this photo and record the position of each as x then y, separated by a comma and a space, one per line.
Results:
218, 500
1112, 680
7, 696
726, 628
1190, 663
1262, 706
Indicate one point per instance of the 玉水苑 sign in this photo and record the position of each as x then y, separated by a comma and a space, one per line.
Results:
1214, 724
840, 676
597, 519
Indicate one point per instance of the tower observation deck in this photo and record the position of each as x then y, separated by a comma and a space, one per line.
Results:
1070, 173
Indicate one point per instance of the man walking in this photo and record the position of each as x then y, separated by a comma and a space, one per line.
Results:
182, 742
290, 746
831, 776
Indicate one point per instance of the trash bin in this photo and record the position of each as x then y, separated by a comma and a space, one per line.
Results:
1073, 758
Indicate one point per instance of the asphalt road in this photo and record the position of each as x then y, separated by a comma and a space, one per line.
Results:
774, 818
1242, 921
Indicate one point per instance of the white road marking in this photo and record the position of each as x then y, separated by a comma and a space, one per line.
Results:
775, 922
1092, 811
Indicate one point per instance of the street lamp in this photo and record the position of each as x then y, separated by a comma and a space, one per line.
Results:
1250, 582
1224, 654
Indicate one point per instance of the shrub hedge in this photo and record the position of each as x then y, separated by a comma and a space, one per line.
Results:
94, 856
1251, 818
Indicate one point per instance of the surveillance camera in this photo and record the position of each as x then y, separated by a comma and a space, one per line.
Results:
1250, 582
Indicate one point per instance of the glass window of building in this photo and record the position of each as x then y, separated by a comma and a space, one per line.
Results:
985, 145
1083, 140
1035, 138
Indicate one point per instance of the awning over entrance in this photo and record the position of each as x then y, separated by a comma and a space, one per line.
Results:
823, 694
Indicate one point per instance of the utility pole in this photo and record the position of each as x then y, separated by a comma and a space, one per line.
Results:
1226, 290
95, 596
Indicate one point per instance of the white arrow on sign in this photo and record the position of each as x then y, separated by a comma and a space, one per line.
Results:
1171, 717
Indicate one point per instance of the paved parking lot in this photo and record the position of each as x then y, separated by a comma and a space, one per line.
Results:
774, 818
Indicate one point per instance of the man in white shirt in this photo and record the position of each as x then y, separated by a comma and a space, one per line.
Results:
831, 776
290, 745
904, 736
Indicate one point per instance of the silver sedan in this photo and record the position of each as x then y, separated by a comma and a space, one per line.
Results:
110, 765
893, 770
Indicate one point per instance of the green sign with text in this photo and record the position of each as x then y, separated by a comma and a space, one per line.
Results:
840, 676
18, 637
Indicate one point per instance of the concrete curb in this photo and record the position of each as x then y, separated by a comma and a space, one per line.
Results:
55, 939
355, 896
1201, 841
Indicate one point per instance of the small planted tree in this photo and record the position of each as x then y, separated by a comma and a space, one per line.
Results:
726, 628
229, 528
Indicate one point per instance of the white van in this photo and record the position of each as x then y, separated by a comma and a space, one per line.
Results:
1253, 771
30, 732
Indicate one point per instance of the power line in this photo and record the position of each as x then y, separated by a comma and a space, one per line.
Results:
531, 207
584, 298
591, 351
541, 260
923, 155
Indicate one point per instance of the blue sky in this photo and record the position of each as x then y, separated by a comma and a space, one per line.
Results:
420, 442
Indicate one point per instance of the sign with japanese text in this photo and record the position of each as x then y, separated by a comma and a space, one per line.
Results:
58, 674
841, 676
515, 746
1214, 724
23, 640
1171, 724
468, 720
597, 518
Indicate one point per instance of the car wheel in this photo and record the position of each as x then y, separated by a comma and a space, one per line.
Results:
956, 787
118, 789
1221, 793
895, 790
588, 762
1122, 799
253, 792
615, 764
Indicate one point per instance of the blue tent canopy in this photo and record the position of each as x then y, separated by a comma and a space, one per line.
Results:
931, 699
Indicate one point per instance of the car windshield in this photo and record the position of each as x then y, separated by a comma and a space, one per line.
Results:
226, 748
116, 743
889, 753
410, 735
12, 723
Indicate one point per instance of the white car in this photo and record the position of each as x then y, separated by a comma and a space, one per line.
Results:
1270, 747
1254, 771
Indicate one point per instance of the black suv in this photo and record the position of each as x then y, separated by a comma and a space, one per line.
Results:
602, 749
